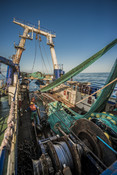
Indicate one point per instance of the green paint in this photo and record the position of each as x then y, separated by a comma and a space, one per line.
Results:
79, 68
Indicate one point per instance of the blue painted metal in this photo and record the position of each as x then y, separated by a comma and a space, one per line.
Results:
10, 69
3, 154
112, 170
107, 145
2, 159
7, 62
58, 73
42, 147
9, 77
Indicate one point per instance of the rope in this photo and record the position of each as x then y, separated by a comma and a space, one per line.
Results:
107, 145
34, 56
9, 131
47, 57
42, 56
97, 91
63, 114
63, 154
81, 142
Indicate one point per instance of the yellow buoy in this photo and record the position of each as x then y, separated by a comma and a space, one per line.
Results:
111, 114
92, 115
109, 118
97, 115
89, 118
106, 135
113, 121
103, 116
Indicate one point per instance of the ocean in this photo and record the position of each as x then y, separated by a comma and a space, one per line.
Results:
96, 79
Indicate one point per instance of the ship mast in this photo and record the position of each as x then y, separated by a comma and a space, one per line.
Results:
27, 29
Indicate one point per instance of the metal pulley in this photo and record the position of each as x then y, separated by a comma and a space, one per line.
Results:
40, 38
36, 36
61, 157
62, 152
87, 131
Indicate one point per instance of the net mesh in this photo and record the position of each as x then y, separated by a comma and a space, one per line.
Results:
60, 114
80, 67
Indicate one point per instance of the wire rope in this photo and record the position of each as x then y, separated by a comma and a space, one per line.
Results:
63, 154
34, 55
47, 57
42, 57
81, 142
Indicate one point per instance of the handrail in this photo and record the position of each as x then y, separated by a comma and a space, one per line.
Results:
33, 25
9, 132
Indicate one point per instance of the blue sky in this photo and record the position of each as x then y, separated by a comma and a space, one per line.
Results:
82, 28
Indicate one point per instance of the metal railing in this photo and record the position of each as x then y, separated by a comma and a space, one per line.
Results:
33, 25
8, 146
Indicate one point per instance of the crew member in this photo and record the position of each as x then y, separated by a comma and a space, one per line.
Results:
34, 116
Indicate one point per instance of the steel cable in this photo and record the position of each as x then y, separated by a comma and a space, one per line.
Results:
34, 56
42, 57
47, 57
63, 154
80, 141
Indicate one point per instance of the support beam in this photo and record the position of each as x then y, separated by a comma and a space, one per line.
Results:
7, 62
20, 48
54, 59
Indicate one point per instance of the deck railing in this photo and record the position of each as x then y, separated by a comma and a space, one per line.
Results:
8, 148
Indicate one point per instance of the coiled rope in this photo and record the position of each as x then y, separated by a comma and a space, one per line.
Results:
63, 154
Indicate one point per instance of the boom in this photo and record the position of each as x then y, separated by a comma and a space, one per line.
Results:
80, 67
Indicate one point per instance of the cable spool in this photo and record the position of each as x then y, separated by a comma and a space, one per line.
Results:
60, 155
63, 154
76, 152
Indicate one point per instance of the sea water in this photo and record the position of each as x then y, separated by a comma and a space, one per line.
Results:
96, 79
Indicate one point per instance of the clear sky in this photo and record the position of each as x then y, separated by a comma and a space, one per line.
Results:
82, 28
